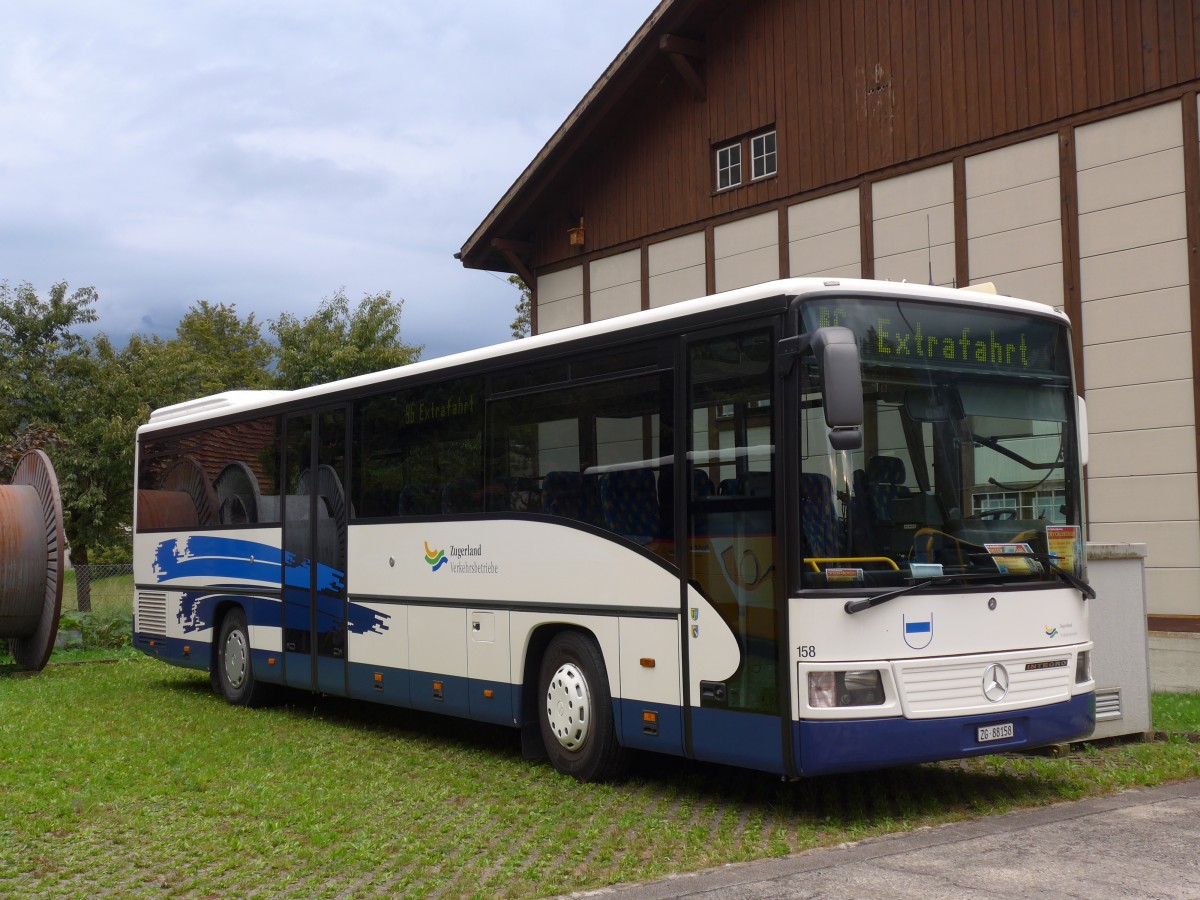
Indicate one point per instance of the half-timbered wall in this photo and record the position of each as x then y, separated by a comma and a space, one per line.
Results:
1047, 146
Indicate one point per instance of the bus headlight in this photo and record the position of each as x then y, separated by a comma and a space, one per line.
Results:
827, 690
1083, 667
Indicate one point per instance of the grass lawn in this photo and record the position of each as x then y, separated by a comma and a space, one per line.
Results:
131, 777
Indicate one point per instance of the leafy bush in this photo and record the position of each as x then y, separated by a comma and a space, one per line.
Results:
98, 630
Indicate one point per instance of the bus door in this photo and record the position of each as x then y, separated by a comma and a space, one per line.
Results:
732, 546
314, 551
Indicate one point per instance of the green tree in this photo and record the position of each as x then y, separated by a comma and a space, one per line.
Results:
38, 351
524, 307
213, 350
339, 342
228, 352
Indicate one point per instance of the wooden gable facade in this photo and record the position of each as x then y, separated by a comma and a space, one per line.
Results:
1048, 146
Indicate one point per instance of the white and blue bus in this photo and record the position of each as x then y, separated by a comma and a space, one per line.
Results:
811, 526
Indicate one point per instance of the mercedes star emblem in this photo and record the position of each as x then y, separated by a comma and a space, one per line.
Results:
995, 683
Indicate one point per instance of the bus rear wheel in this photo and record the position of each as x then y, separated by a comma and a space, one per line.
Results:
233, 673
576, 712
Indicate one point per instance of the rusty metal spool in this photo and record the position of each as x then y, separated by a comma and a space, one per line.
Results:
32, 549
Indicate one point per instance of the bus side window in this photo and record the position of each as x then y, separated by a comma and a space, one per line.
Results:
418, 451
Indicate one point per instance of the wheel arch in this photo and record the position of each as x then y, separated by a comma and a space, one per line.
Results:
535, 649
220, 611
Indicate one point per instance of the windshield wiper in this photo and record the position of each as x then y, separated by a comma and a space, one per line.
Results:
1069, 577
862, 603
994, 444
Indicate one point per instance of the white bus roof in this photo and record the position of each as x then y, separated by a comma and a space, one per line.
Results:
247, 401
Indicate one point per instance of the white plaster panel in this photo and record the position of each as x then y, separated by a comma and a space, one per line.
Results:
614, 271
914, 230
746, 235
1131, 407
1134, 271
1129, 180
1138, 224
1157, 451
616, 301
1168, 544
1166, 357
825, 214
914, 266
560, 285
752, 267
1009, 167
821, 253
677, 285
1172, 592
1043, 284
1143, 498
1028, 204
853, 270
560, 314
1133, 134
1012, 251
678, 253
917, 190
1142, 315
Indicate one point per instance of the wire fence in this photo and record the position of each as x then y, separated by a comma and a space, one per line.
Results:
106, 589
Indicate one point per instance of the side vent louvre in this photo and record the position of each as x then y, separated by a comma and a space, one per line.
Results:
152, 613
1108, 704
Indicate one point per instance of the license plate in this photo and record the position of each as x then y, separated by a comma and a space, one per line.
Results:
995, 732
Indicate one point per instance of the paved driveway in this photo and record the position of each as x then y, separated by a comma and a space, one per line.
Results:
1141, 843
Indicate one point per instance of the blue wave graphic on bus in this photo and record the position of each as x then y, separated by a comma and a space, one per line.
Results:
197, 612
209, 557
199, 556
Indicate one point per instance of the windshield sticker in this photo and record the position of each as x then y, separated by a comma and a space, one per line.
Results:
1063, 543
1014, 559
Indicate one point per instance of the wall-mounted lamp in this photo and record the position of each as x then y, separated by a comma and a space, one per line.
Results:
575, 235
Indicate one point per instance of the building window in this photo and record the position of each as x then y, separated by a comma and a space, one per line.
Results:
729, 166
762, 155
759, 148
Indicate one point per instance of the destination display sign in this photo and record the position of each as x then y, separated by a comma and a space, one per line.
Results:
937, 335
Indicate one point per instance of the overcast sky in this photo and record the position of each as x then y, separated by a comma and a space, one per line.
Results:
266, 153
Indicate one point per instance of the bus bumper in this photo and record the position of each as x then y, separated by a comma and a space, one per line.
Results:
827, 746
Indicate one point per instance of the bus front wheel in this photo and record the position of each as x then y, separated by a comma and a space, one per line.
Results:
233, 673
576, 711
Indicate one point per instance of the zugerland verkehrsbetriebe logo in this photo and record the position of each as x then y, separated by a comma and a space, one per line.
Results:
463, 560
435, 558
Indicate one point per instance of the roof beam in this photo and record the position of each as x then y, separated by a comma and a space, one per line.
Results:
684, 53
512, 252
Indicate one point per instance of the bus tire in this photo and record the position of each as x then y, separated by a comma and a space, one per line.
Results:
575, 710
233, 674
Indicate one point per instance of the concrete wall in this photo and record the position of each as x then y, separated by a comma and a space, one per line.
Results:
824, 237
1014, 223
560, 299
1137, 354
677, 269
914, 226
746, 252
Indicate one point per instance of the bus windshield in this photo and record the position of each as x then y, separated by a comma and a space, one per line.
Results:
968, 469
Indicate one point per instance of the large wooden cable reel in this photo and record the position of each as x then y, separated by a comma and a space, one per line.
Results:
32, 554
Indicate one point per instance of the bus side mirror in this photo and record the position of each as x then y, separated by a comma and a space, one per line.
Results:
841, 379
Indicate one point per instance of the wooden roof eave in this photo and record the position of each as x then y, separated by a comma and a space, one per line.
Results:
480, 251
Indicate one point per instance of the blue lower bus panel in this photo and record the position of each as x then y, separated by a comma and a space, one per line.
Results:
851, 745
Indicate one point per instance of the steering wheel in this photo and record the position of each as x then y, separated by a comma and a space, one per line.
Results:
997, 514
